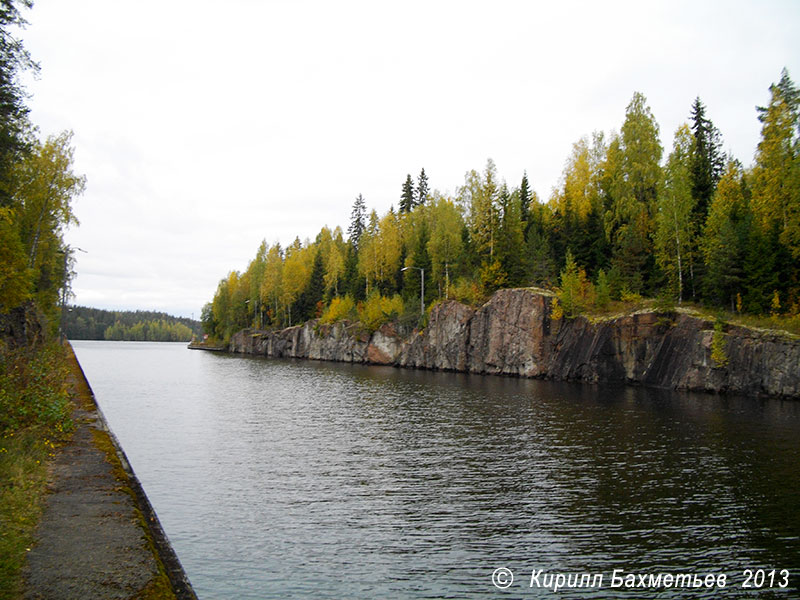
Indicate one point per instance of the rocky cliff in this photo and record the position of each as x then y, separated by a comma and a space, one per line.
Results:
22, 327
513, 334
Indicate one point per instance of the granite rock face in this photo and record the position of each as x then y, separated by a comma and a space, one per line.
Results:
513, 334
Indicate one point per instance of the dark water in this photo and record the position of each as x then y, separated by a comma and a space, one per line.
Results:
283, 479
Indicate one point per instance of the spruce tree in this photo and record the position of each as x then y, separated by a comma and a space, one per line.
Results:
420, 260
510, 237
422, 188
407, 197
725, 237
357, 222
706, 163
524, 201
14, 58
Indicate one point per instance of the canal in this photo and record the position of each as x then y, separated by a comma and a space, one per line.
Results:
300, 479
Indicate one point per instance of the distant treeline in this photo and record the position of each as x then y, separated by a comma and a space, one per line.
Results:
82, 323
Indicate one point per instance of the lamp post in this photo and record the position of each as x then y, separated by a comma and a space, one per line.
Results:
421, 289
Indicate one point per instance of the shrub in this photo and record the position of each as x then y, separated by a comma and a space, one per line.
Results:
33, 388
378, 309
775, 304
556, 310
466, 292
493, 277
718, 354
340, 308
628, 296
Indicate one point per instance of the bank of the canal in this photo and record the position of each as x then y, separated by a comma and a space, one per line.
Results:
99, 536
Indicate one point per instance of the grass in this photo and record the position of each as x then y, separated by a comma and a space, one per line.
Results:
34, 419
788, 325
782, 323
23, 482
37, 393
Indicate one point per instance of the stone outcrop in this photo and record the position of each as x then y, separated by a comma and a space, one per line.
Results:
514, 334
22, 327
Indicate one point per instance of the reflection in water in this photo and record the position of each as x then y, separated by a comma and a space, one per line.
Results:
297, 479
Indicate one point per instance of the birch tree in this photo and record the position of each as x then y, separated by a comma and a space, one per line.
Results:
673, 235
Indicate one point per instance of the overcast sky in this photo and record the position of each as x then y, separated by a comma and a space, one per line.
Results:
205, 127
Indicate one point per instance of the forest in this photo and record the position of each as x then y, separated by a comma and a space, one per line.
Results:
82, 323
37, 190
629, 219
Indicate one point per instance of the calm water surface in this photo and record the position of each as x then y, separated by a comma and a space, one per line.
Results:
301, 479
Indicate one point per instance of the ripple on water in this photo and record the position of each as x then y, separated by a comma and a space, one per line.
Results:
292, 479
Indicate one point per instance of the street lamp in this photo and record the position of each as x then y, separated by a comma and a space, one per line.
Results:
421, 290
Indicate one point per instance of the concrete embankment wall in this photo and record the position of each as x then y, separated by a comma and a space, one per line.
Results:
514, 334
161, 546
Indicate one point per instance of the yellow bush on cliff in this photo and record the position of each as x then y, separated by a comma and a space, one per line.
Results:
340, 308
379, 309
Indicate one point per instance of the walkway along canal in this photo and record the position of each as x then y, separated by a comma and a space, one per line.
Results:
99, 537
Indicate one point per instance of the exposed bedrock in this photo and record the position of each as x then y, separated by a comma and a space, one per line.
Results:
513, 334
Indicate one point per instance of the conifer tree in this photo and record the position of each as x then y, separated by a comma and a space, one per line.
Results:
707, 161
14, 58
407, 197
511, 237
357, 222
524, 201
725, 237
420, 261
422, 188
